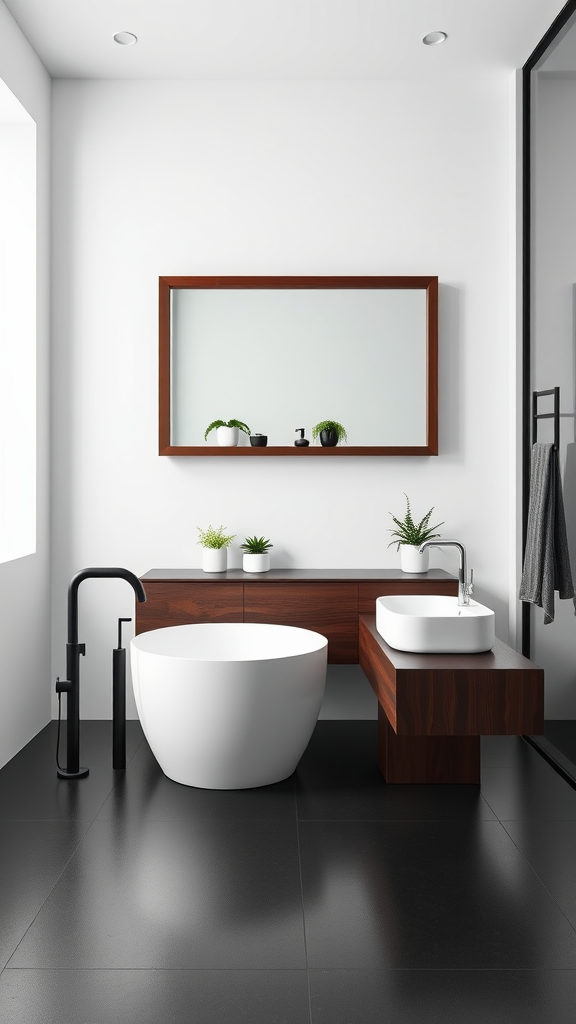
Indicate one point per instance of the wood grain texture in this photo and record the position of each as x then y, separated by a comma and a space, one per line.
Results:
289, 451
368, 592
496, 693
164, 348
300, 281
378, 669
327, 608
177, 603
427, 759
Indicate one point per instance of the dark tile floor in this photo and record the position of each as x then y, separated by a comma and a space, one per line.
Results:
330, 898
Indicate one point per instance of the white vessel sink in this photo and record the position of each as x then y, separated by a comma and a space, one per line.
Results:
432, 624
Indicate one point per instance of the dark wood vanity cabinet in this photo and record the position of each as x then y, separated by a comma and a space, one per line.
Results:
326, 600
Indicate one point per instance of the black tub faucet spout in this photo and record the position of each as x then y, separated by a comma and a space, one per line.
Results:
95, 574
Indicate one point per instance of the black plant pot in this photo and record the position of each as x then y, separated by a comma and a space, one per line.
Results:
258, 440
328, 438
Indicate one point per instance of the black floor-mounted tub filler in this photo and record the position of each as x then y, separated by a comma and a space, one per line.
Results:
71, 685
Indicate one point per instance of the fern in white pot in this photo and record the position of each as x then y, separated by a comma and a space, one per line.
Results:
227, 431
408, 536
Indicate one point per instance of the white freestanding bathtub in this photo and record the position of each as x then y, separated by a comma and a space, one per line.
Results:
228, 705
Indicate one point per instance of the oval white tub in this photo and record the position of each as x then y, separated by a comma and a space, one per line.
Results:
228, 705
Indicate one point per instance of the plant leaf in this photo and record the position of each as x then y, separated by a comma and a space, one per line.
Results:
409, 532
213, 425
214, 537
239, 424
329, 425
256, 545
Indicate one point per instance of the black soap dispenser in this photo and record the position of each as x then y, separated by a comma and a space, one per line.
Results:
302, 442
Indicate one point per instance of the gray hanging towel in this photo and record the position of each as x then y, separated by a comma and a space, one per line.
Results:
546, 558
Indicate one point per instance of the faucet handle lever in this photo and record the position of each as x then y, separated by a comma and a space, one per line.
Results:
120, 621
470, 583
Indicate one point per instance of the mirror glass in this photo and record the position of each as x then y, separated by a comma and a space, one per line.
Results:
280, 358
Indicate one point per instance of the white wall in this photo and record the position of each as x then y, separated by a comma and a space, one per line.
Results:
24, 582
553, 350
155, 178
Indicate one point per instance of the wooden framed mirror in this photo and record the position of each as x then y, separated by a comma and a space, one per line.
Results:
283, 353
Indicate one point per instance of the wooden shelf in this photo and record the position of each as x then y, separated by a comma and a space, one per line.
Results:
290, 451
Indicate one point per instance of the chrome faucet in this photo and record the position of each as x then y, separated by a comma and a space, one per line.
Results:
465, 585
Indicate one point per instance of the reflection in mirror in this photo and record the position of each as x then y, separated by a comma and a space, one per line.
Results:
284, 353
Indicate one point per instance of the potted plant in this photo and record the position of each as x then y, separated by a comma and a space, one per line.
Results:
256, 557
227, 431
330, 433
215, 543
408, 536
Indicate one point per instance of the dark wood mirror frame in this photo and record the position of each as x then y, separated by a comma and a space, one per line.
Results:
428, 284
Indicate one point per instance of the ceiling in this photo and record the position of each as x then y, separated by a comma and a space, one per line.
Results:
306, 40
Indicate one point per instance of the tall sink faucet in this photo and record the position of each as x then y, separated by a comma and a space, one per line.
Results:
465, 585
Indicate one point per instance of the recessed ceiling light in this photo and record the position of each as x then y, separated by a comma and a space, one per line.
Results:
435, 37
125, 38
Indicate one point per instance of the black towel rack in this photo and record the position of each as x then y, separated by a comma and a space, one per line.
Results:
555, 415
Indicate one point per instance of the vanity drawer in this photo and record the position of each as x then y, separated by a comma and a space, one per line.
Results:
176, 603
327, 608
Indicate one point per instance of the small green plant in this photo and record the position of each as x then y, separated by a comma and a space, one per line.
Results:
256, 545
409, 532
223, 423
329, 425
214, 537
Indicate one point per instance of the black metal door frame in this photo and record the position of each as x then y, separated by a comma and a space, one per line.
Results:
535, 57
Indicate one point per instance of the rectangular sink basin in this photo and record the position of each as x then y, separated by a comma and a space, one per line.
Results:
433, 624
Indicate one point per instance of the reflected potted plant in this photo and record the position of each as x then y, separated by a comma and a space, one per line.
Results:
227, 431
215, 544
330, 433
408, 536
256, 557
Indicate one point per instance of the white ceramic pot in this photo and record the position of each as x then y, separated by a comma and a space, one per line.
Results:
412, 560
256, 563
214, 559
227, 436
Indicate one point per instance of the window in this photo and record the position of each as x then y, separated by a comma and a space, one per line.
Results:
17, 328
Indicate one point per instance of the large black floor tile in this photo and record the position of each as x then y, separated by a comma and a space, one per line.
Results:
426, 895
552, 854
145, 793
30, 788
33, 855
443, 997
154, 997
338, 778
173, 894
528, 791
